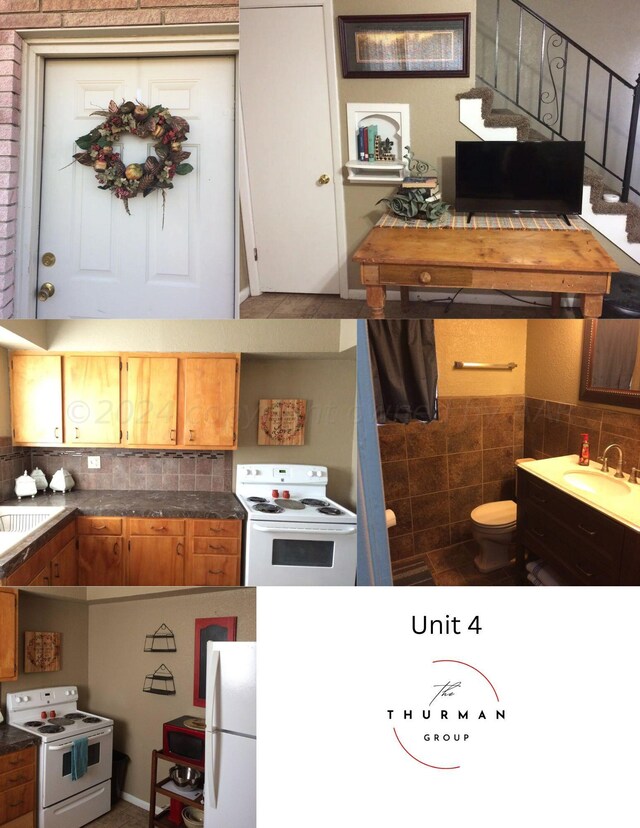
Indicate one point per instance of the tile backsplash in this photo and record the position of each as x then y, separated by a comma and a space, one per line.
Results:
203, 471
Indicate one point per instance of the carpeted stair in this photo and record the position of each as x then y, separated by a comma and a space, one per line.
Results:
500, 118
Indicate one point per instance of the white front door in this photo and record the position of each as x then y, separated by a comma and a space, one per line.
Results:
284, 86
110, 264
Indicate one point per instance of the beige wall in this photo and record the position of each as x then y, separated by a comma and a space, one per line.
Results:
38, 614
5, 412
481, 340
329, 387
435, 126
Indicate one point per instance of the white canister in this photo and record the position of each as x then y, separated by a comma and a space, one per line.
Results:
25, 486
41, 481
62, 481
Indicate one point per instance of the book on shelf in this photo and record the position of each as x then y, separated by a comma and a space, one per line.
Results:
367, 142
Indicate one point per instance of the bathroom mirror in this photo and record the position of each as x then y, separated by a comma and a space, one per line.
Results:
611, 362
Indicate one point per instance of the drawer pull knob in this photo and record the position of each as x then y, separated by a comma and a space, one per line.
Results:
586, 531
211, 546
216, 572
98, 528
424, 278
584, 571
158, 528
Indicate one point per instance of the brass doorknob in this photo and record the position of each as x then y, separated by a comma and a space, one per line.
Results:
324, 179
46, 291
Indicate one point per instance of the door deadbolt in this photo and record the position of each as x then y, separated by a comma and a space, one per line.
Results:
46, 291
48, 259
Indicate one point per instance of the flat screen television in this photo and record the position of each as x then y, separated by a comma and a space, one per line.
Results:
519, 176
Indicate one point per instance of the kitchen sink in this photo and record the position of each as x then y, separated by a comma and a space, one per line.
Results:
597, 483
16, 522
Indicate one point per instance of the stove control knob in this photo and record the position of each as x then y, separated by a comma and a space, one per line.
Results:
286, 494
68, 692
248, 472
43, 715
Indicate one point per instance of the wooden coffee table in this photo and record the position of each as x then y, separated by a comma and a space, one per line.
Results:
547, 261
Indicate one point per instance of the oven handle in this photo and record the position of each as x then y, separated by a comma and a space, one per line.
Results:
315, 531
65, 745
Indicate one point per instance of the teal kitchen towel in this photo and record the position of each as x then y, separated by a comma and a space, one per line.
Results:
79, 757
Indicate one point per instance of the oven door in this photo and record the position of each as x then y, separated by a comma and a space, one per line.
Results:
300, 554
56, 783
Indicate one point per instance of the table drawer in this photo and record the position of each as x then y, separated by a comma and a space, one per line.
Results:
155, 526
99, 526
216, 546
217, 528
426, 275
19, 759
19, 776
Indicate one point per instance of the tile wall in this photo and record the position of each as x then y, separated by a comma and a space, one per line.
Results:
13, 462
435, 474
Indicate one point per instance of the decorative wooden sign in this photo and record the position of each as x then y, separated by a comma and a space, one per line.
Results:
42, 652
281, 422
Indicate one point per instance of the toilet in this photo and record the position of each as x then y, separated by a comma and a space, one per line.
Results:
494, 528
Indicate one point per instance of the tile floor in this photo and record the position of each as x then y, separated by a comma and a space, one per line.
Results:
318, 306
453, 566
123, 815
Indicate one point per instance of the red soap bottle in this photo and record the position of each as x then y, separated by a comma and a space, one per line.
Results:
583, 460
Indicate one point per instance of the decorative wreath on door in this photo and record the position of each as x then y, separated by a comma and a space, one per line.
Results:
129, 181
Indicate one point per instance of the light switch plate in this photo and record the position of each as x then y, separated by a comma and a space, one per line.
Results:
93, 462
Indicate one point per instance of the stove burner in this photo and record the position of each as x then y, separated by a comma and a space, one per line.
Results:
61, 720
33, 724
74, 716
257, 499
270, 508
51, 729
91, 720
313, 501
287, 503
330, 510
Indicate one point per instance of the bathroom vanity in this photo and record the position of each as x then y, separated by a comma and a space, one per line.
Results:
581, 521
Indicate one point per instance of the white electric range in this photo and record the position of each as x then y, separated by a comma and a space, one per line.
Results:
52, 714
296, 535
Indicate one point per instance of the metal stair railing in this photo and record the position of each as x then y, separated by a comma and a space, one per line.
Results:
558, 65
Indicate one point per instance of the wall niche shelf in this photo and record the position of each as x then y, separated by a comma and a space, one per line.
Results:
391, 123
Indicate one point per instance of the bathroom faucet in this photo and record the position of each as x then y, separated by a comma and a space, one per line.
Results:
605, 460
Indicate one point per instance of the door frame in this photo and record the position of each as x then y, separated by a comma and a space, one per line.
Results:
253, 266
213, 39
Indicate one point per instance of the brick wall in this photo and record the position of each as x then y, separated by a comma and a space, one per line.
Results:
64, 14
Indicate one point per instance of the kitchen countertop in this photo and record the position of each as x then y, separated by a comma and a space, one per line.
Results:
116, 503
13, 739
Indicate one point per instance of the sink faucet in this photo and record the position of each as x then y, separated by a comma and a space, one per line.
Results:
605, 460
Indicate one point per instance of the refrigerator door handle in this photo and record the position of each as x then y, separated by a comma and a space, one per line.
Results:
213, 772
213, 683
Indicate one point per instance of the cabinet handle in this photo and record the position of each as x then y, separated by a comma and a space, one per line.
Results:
158, 528
172, 434
192, 435
77, 432
14, 763
56, 432
215, 530
216, 572
537, 533
115, 548
56, 573
98, 528
46, 579
539, 499
584, 571
179, 547
218, 546
16, 780
16, 804
586, 531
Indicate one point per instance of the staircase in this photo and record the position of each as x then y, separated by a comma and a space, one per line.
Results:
544, 106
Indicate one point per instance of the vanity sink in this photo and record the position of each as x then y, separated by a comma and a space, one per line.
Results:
596, 483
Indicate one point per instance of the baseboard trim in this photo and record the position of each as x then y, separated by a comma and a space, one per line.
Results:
139, 803
245, 293
474, 297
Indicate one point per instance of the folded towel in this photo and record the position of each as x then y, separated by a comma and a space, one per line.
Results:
79, 757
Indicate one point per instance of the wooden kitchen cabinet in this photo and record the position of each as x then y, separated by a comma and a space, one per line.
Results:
209, 389
18, 788
100, 551
91, 399
38, 570
8, 635
213, 553
36, 399
155, 555
150, 401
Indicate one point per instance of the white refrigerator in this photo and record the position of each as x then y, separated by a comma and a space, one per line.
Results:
230, 737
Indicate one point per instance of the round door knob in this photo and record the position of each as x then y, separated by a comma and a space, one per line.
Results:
324, 179
424, 278
46, 291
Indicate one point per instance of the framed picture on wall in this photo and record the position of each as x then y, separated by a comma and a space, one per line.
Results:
405, 45
208, 629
